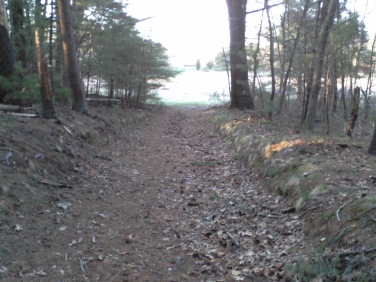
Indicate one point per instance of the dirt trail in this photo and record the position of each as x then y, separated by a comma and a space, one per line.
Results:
167, 202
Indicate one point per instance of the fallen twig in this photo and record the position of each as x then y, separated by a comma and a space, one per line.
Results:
82, 265
113, 237
341, 207
352, 253
53, 183
232, 238
67, 129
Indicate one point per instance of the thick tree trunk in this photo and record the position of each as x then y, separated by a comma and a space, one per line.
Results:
18, 33
372, 146
240, 93
354, 111
319, 61
7, 60
74, 80
48, 109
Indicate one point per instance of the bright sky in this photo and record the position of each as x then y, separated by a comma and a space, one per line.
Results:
190, 30
198, 29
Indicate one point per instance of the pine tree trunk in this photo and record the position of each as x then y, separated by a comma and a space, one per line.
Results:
271, 61
343, 98
327, 23
372, 146
48, 108
74, 80
255, 62
334, 87
354, 111
240, 93
7, 61
18, 33
291, 59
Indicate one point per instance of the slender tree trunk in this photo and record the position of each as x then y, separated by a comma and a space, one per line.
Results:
255, 62
334, 87
227, 70
88, 68
7, 60
240, 93
282, 57
319, 61
354, 111
291, 59
343, 96
75, 83
367, 105
271, 61
368, 91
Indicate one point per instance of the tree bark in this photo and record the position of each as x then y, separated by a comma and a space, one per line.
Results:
48, 108
372, 146
291, 59
368, 91
271, 61
318, 62
18, 33
7, 61
74, 80
354, 111
240, 93
255, 62
334, 87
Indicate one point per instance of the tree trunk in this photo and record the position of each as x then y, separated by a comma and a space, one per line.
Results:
343, 98
227, 70
354, 111
271, 61
48, 109
309, 77
372, 146
291, 59
371, 71
18, 33
318, 62
240, 94
334, 87
7, 61
74, 80
367, 105
255, 62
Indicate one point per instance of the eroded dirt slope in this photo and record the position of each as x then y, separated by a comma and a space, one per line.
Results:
163, 201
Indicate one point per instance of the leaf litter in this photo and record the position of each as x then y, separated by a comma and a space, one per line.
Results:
170, 202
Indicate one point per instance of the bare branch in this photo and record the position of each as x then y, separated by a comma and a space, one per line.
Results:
265, 7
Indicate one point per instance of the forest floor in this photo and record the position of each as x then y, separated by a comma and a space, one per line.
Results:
159, 195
